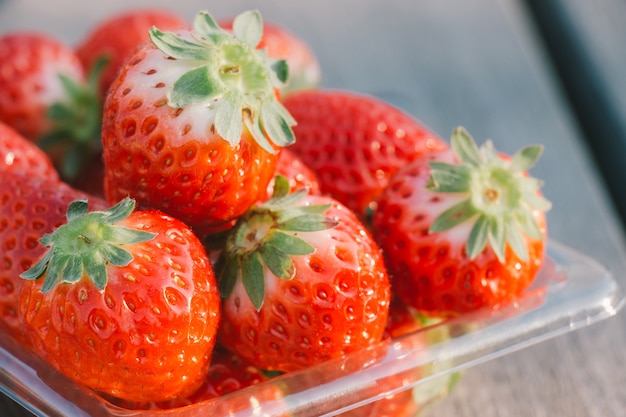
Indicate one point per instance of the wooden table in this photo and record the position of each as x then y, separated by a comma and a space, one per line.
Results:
484, 65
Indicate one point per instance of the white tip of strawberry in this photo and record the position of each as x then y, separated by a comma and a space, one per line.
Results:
226, 72
501, 197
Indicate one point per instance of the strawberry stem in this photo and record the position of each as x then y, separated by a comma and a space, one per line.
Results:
86, 244
500, 197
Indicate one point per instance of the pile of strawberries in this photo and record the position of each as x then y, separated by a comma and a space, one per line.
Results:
184, 211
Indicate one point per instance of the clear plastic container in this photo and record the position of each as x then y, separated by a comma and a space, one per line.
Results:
571, 291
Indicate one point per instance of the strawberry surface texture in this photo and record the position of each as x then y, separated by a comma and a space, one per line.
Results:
313, 283
173, 125
355, 142
30, 206
124, 302
463, 229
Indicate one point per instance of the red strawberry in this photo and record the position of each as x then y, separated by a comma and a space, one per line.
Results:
45, 96
463, 229
298, 177
30, 65
193, 128
18, 154
117, 37
30, 205
297, 173
280, 43
402, 319
123, 302
302, 282
355, 143
228, 373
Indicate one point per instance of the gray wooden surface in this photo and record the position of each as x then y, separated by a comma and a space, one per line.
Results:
585, 41
453, 62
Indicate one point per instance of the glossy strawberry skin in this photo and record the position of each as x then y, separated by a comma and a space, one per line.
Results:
30, 64
29, 207
355, 142
169, 159
117, 37
431, 271
297, 173
149, 335
18, 154
228, 372
336, 303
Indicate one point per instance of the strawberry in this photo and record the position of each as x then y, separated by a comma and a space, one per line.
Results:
30, 65
46, 96
124, 301
464, 228
401, 319
228, 372
18, 154
281, 43
302, 282
355, 143
192, 125
30, 205
297, 173
117, 37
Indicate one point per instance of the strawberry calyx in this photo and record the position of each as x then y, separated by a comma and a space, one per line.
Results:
227, 73
267, 236
76, 121
86, 244
501, 197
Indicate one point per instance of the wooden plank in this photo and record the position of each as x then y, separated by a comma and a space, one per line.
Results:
452, 62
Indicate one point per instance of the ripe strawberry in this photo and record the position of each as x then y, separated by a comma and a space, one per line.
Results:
464, 228
18, 154
355, 143
46, 97
192, 127
280, 43
117, 37
402, 319
30, 65
297, 173
124, 302
302, 282
227, 373
30, 205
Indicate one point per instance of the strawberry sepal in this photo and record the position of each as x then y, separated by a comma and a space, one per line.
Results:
266, 238
86, 244
76, 121
227, 73
498, 196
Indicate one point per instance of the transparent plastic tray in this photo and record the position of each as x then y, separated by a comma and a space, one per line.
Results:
571, 291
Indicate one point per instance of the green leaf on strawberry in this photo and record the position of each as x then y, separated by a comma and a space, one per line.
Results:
267, 236
76, 121
227, 73
87, 243
500, 196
